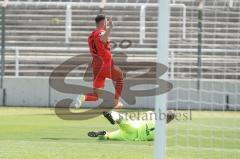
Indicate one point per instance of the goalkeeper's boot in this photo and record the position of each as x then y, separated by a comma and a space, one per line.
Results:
96, 133
79, 101
109, 117
170, 116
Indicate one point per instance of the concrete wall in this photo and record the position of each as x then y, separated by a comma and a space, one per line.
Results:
26, 91
30, 91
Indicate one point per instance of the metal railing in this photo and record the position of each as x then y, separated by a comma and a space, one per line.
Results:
142, 22
172, 57
142, 6
68, 23
3, 8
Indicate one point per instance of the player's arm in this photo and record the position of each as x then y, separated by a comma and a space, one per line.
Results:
115, 135
105, 35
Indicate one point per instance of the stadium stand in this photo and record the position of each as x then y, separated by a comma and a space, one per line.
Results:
36, 33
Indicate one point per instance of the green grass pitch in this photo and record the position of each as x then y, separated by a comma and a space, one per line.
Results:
37, 133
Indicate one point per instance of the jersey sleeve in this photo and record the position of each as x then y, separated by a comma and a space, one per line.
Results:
115, 135
101, 50
101, 34
98, 41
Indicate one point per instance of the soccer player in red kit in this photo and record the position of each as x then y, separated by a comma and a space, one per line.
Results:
102, 65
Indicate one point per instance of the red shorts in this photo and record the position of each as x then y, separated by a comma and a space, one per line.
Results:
100, 75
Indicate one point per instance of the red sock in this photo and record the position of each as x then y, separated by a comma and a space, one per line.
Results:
91, 97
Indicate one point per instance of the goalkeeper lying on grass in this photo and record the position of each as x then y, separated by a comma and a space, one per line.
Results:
133, 130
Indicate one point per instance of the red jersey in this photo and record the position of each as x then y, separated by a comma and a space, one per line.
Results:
99, 50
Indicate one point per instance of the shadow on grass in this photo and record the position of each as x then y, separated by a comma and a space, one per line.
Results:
72, 139
51, 138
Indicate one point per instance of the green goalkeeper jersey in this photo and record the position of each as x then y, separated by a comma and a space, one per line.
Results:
133, 131
146, 131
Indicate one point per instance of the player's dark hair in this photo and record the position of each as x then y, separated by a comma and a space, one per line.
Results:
99, 18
